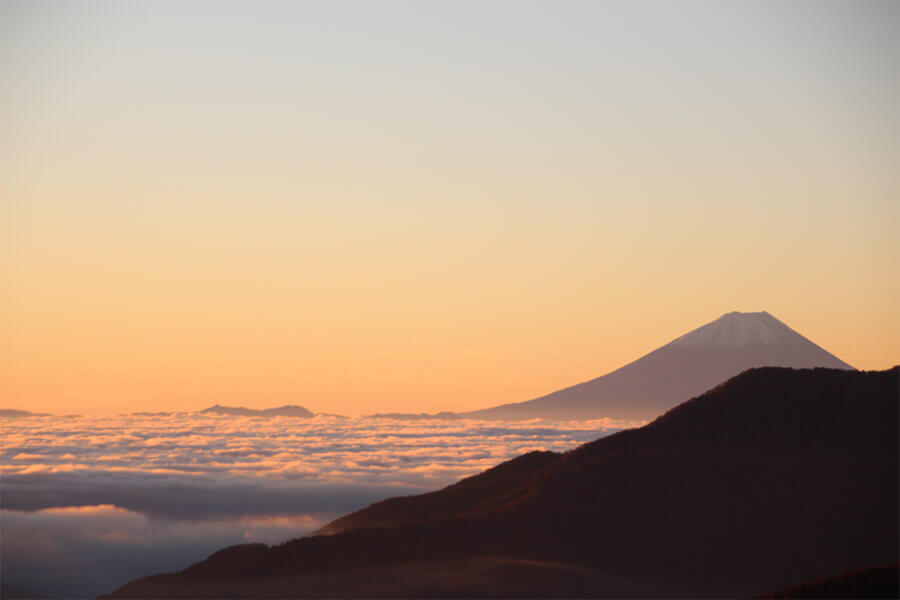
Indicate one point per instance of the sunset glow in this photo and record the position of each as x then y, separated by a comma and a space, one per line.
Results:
356, 224
456, 298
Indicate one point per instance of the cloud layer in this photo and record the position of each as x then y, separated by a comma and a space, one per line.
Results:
147, 493
323, 449
79, 552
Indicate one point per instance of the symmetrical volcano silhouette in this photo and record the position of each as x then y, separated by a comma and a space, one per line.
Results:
775, 477
682, 369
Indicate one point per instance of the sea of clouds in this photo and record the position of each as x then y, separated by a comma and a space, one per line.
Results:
87, 503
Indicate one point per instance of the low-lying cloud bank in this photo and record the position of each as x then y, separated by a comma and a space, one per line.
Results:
87, 500
322, 449
79, 552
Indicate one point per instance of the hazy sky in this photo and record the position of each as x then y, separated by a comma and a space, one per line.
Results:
361, 206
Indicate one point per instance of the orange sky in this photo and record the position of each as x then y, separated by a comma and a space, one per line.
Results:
416, 210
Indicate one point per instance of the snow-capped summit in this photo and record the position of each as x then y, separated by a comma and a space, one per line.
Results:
685, 367
738, 330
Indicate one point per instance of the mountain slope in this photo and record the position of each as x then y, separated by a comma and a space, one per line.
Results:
683, 368
456, 499
774, 477
873, 582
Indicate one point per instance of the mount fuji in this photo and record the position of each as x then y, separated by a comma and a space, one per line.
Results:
685, 367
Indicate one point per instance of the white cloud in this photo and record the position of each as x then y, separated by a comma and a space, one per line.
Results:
98, 501
322, 449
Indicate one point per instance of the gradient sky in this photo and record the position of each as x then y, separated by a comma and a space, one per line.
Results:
421, 206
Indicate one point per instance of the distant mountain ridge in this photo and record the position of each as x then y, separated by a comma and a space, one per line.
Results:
289, 410
774, 477
639, 391
239, 411
14, 413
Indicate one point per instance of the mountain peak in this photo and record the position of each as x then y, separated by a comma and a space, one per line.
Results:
739, 330
677, 371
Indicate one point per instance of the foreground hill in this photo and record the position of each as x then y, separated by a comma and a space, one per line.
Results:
683, 368
874, 582
776, 476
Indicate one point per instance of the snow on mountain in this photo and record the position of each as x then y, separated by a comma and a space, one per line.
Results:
738, 330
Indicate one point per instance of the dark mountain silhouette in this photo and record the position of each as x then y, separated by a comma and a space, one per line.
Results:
13, 413
240, 411
448, 502
772, 478
683, 368
874, 582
